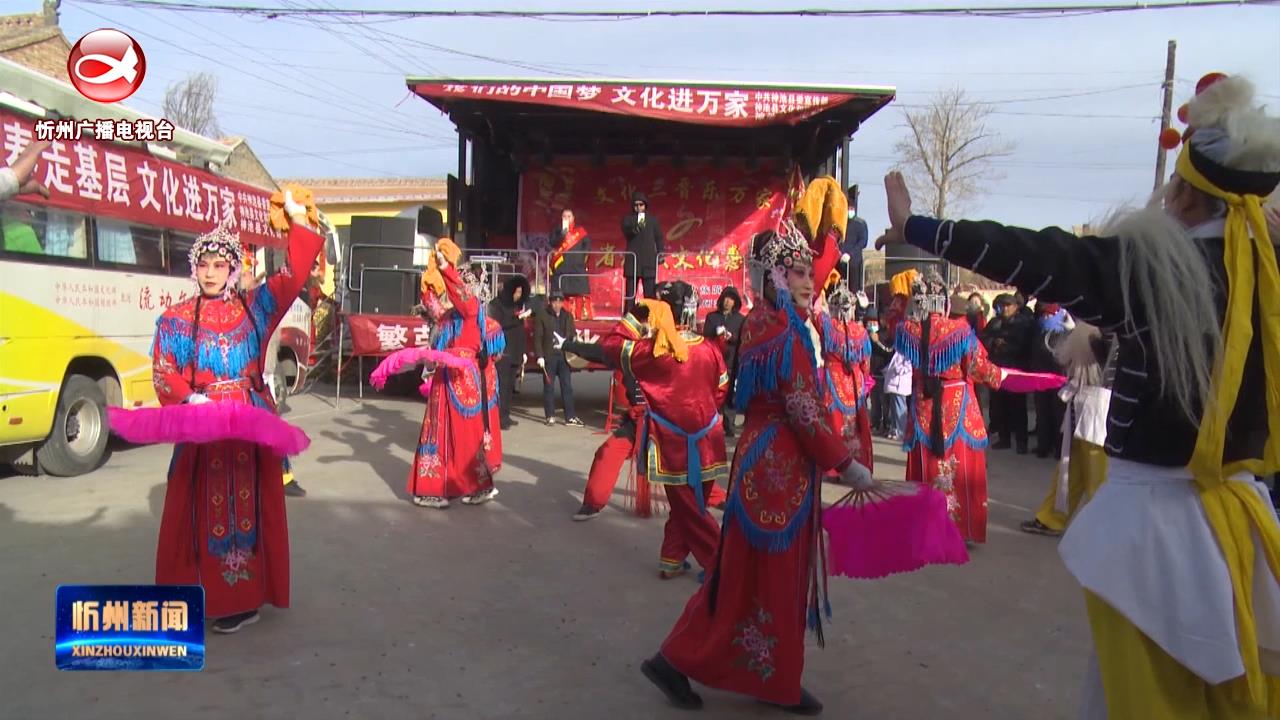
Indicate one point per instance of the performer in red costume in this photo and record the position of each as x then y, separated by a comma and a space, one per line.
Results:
460, 446
846, 352
946, 439
743, 631
223, 524
681, 441
629, 406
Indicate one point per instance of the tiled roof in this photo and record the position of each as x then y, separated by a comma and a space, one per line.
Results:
36, 41
373, 190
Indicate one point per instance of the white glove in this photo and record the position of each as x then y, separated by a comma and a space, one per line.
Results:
857, 476
441, 260
291, 207
524, 359
559, 340
721, 330
524, 314
542, 363
197, 399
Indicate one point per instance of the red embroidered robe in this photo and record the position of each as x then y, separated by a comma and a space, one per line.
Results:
846, 353
451, 460
223, 525
958, 467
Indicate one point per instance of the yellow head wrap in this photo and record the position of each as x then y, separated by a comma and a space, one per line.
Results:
431, 277
668, 338
279, 218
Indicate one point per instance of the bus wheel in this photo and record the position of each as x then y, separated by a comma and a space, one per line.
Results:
78, 439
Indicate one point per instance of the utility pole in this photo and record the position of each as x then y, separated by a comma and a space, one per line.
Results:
1165, 118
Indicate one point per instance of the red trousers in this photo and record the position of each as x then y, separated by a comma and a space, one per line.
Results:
688, 528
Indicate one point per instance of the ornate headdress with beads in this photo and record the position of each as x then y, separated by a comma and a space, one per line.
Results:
842, 303
475, 278
223, 242
928, 295
775, 253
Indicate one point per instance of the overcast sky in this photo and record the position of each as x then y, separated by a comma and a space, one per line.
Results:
348, 112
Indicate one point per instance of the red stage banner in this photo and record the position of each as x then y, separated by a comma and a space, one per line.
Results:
704, 105
384, 334
708, 216
117, 181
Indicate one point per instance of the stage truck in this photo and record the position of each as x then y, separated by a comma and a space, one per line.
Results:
715, 161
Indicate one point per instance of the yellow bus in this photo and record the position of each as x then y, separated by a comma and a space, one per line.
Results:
85, 273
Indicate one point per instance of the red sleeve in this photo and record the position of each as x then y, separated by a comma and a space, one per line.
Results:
171, 387
807, 415
615, 344
978, 368
286, 283
722, 378
459, 294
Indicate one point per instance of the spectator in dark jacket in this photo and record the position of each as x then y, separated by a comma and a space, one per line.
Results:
509, 310
881, 352
724, 327
1008, 340
644, 245
1050, 329
555, 320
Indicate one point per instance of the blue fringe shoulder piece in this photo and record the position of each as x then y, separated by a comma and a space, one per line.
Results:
761, 365
945, 352
495, 342
836, 342
244, 341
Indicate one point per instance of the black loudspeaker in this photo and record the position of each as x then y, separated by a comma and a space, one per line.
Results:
430, 221
389, 292
393, 231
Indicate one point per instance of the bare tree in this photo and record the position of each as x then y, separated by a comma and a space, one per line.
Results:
947, 153
189, 104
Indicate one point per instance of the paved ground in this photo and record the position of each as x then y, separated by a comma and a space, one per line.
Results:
511, 610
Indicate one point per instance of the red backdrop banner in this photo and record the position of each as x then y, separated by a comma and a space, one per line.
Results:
384, 334
708, 216
728, 106
117, 181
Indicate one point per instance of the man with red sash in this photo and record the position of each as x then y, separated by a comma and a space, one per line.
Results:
681, 439
569, 266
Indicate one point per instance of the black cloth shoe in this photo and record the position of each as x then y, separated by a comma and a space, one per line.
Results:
293, 489
671, 682
586, 512
808, 705
505, 425
233, 623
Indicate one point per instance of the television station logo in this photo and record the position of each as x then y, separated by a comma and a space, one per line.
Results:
106, 65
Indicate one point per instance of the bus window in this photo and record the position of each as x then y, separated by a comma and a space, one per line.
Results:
179, 249
32, 230
124, 244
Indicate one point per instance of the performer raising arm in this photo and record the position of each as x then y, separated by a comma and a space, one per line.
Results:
1179, 550
223, 524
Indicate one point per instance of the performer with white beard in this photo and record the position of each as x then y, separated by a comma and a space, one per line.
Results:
1179, 551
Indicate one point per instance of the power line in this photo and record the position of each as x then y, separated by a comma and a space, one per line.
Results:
1011, 11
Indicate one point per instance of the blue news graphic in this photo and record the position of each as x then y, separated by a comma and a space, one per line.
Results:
129, 627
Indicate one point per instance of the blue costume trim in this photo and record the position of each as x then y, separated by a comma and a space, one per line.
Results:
495, 342
735, 511
429, 448
243, 345
836, 342
944, 353
761, 366
693, 455
922, 436
838, 402
471, 410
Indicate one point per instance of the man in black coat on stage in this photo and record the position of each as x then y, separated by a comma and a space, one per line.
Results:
644, 245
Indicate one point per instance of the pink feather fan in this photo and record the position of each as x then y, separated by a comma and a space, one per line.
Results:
401, 359
876, 534
207, 423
